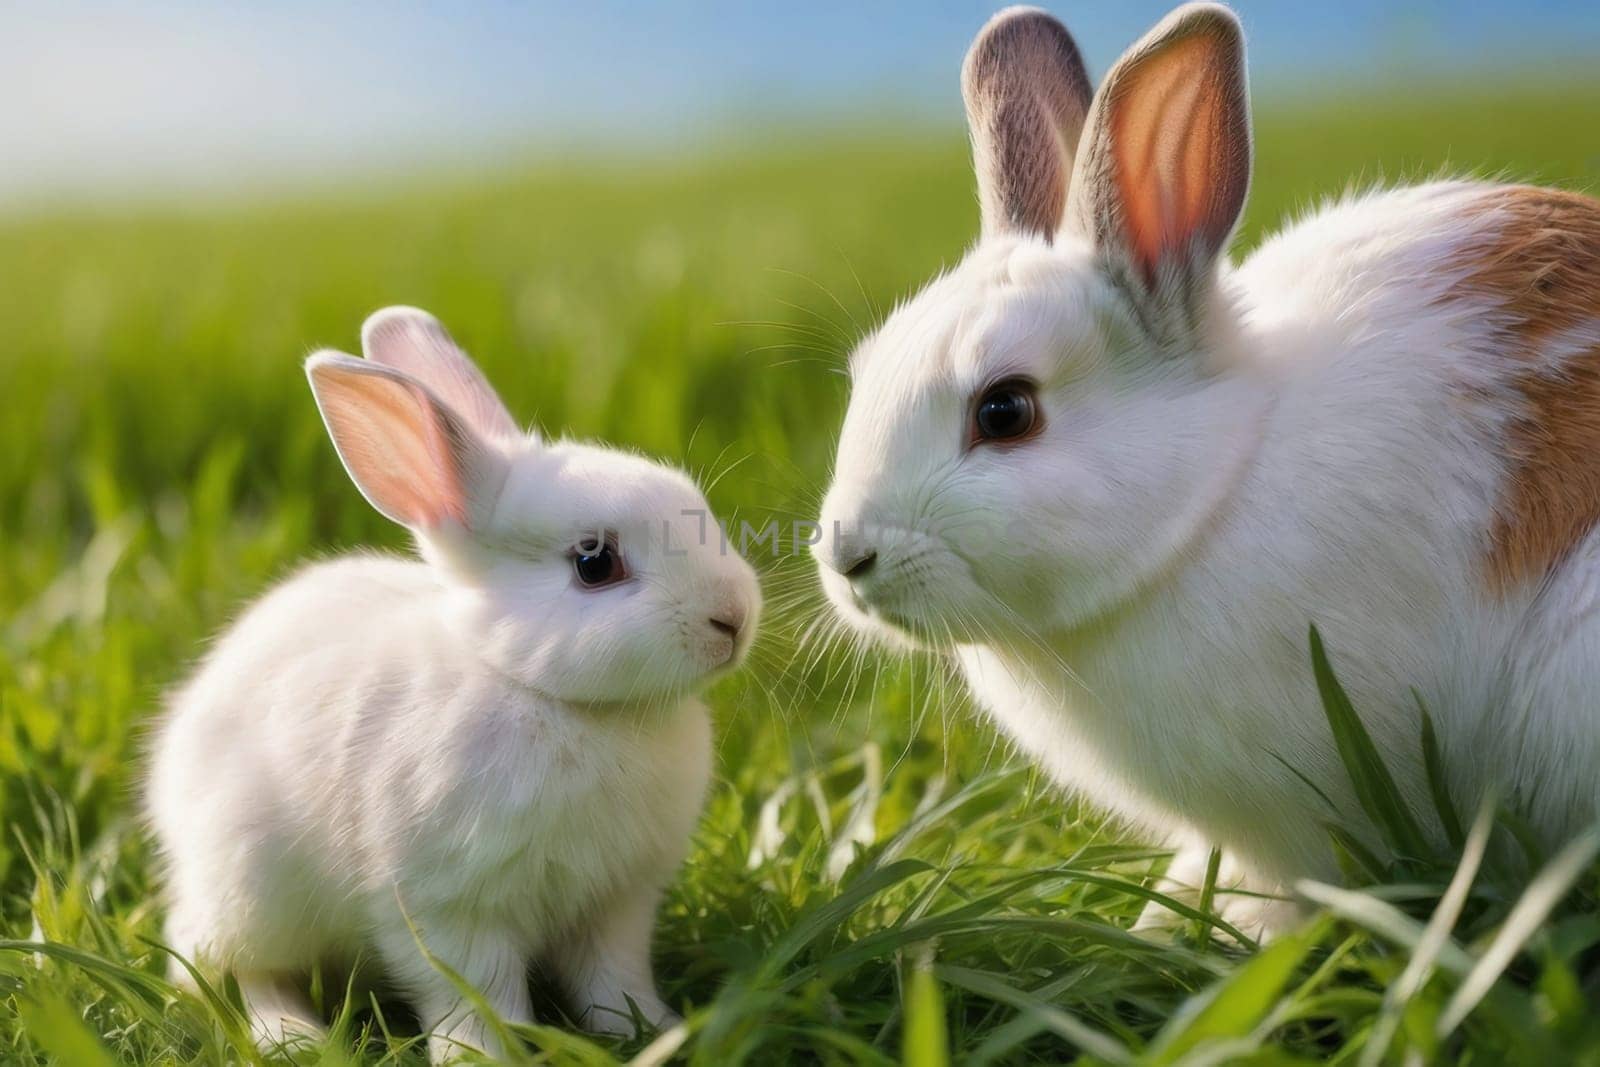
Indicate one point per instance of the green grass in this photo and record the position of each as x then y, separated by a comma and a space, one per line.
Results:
874, 879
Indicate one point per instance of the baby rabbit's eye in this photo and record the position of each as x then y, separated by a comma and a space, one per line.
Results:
1005, 412
598, 564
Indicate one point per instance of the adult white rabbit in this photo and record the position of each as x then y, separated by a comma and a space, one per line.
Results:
496, 750
1116, 477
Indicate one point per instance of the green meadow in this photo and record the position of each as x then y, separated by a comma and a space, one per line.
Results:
876, 878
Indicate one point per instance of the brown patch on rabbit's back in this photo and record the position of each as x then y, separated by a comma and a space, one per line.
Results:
1538, 265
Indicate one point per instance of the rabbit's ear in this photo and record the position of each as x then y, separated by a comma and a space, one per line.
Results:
1027, 94
415, 342
1164, 166
411, 455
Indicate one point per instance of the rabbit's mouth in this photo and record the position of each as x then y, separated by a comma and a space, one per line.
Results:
919, 631
907, 605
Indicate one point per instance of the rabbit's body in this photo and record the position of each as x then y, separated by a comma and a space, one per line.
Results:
465, 765
1378, 405
423, 781
1117, 478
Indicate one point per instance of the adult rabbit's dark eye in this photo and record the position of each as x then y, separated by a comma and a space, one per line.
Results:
597, 563
1006, 411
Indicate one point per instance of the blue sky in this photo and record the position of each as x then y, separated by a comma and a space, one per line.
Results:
98, 97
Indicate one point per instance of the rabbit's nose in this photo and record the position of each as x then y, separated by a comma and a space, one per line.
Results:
846, 555
729, 620
861, 565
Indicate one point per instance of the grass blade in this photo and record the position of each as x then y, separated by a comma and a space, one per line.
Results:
1208, 895
832, 914
1356, 859
1380, 798
1531, 910
1233, 1007
53, 1022
1434, 938
927, 1039
1381, 918
1438, 784
1049, 1017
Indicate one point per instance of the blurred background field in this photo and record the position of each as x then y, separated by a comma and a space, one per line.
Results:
161, 462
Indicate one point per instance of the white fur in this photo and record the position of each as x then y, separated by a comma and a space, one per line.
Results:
1129, 593
474, 746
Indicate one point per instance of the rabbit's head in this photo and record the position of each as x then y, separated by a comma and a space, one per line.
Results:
1041, 431
591, 575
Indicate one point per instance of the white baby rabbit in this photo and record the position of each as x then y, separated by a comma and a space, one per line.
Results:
499, 745
1116, 477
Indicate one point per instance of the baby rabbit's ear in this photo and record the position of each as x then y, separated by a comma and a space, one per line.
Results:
1164, 166
411, 455
1027, 94
413, 341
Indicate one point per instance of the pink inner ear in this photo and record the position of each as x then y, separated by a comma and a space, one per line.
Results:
1174, 166
400, 448
415, 342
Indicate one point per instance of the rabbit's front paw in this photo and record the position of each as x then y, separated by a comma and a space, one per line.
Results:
280, 1016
